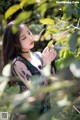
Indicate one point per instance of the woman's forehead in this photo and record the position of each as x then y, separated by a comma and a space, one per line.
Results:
24, 28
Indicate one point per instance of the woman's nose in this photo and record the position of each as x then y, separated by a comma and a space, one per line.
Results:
31, 35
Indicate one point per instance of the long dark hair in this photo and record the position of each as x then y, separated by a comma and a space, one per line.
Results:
11, 44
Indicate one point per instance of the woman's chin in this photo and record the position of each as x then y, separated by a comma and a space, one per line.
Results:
32, 45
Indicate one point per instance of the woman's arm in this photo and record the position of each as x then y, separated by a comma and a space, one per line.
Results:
20, 70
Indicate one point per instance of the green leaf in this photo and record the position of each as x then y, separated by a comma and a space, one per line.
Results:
23, 2
31, 1
58, 63
22, 16
47, 21
51, 29
78, 52
64, 62
70, 9
11, 11
50, 43
61, 25
75, 68
73, 41
75, 12
46, 34
14, 29
64, 53
62, 40
42, 9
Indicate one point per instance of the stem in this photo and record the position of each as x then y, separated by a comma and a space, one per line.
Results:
76, 109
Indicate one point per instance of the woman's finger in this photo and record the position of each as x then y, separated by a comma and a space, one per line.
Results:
53, 53
45, 49
51, 47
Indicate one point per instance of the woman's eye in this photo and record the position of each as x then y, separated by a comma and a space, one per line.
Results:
23, 38
29, 33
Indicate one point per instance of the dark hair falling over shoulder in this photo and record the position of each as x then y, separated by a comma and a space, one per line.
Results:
11, 43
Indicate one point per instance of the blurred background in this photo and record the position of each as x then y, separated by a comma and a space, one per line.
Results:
49, 20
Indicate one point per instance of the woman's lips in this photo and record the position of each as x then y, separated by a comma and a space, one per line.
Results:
32, 43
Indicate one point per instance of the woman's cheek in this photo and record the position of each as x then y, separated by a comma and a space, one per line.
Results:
24, 45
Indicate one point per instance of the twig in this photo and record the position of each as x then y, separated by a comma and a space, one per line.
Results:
78, 28
78, 22
76, 109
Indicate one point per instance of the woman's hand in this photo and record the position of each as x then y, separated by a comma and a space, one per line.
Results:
48, 55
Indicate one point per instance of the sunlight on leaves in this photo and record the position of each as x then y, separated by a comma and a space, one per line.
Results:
52, 29
3, 85
61, 36
46, 70
47, 21
59, 85
63, 102
7, 70
75, 68
54, 118
18, 99
60, 25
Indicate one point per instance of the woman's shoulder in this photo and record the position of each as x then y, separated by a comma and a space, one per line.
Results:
18, 61
18, 58
18, 64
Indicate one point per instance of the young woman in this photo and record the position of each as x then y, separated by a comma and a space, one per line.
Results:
17, 48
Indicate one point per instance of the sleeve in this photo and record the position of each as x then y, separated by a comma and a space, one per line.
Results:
20, 70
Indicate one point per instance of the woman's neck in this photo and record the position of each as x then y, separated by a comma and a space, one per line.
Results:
26, 54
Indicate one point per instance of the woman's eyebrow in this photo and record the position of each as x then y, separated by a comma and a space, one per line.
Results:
22, 36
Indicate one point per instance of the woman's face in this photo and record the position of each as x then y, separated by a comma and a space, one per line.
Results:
26, 38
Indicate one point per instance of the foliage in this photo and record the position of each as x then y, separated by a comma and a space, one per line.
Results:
62, 23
